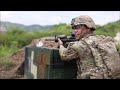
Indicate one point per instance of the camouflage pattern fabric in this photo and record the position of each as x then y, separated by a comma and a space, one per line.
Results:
86, 20
89, 62
81, 52
105, 55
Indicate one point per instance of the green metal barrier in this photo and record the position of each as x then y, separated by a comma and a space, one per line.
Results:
45, 63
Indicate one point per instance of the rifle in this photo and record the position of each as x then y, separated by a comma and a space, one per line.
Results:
64, 39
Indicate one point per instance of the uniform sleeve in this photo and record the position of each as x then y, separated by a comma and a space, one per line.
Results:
68, 53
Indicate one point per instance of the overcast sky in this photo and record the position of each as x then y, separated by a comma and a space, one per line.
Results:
56, 17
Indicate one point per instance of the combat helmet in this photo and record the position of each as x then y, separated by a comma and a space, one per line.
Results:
85, 20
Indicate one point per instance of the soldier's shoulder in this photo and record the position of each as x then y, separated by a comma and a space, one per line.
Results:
92, 39
95, 37
98, 37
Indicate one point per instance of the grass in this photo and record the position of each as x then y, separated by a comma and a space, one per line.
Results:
5, 52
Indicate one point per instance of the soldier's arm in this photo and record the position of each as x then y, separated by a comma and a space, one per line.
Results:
68, 53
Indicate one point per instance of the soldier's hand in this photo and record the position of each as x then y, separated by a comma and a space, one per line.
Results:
60, 42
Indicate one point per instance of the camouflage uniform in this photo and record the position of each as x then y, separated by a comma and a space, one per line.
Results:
81, 52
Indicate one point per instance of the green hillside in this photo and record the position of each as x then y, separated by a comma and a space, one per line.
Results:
109, 29
60, 29
10, 26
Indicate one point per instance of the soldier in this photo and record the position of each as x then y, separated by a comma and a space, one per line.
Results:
83, 27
